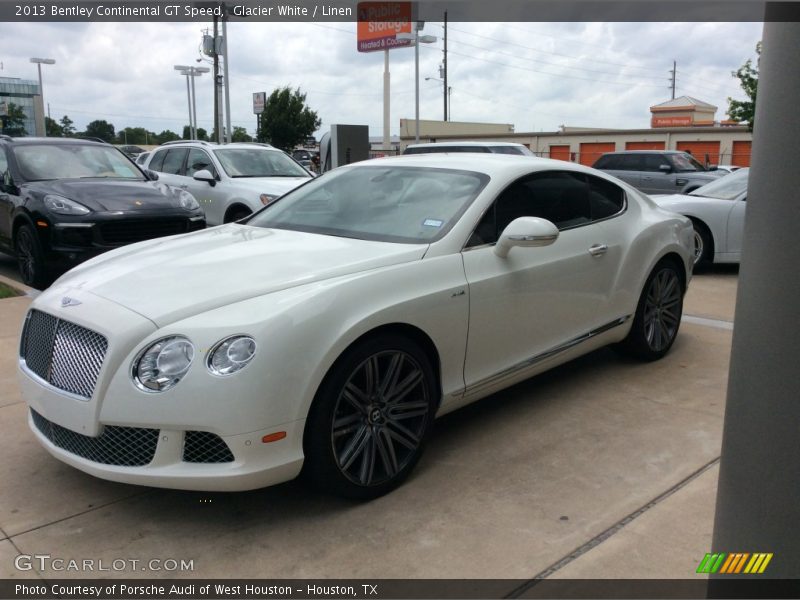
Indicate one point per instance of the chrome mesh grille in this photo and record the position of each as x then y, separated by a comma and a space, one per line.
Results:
205, 447
62, 353
119, 446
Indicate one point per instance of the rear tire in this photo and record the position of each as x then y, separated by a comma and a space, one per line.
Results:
658, 314
30, 258
371, 418
236, 214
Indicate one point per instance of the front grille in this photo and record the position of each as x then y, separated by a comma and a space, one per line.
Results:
119, 446
137, 230
67, 356
205, 447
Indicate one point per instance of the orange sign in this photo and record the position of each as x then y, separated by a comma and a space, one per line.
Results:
380, 22
670, 121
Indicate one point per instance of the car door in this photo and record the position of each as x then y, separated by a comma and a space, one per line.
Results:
6, 201
658, 176
736, 226
169, 165
535, 300
212, 198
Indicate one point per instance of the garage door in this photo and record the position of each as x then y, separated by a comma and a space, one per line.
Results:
644, 145
559, 152
741, 154
700, 149
590, 152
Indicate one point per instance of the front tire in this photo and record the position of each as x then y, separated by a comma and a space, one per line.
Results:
658, 314
371, 418
703, 245
30, 257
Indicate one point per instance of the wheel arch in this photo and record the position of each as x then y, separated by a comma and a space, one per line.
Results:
233, 207
703, 224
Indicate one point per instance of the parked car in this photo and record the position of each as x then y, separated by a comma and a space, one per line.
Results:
65, 200
326, 331
657, 171
483, 147
727, 168
717, 213
229, 181
309, 159
141, 160
132, 151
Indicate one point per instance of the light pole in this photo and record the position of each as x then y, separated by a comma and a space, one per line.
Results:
447, 95
39, 62
417, 39
192, 72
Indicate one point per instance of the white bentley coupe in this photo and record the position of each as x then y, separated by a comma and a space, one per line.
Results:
324, 333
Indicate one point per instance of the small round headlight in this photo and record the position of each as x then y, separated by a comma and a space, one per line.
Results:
231, 355
163, 364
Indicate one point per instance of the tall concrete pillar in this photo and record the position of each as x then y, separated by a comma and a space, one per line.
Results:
758, 502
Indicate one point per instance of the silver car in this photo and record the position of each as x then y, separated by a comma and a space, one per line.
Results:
658, 171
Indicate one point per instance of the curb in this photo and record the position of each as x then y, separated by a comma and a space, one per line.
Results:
20, 287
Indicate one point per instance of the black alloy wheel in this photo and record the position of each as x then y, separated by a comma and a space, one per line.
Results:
658, 314
29, 257
370, 422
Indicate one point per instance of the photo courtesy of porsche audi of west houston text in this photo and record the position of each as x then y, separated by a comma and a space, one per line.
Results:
325, 332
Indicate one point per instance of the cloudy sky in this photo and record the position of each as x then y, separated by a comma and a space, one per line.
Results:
536, 76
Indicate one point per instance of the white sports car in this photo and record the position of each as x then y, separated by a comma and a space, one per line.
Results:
717, 212
326, 332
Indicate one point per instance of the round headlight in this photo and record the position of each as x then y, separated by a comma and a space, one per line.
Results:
163, 364
231, 354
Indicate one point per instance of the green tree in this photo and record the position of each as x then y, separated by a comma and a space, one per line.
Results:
286, 120
14, 120
67, 127
202, 134
240, 135
53, 128
167, 136
136, 135
187, 132
745, 110
100, 129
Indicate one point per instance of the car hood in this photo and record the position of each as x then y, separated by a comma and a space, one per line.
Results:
109, 195
670, 200
170, 279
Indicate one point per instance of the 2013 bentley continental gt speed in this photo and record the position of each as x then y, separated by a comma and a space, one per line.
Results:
324, 333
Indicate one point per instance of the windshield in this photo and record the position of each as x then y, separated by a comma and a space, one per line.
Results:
411, 205
40, 162
258, 162
686, 163
727, 187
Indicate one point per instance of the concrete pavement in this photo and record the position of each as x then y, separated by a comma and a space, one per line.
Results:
602, 468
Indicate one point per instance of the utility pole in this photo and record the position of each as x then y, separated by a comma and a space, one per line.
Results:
444, 62
674, 77
217, 129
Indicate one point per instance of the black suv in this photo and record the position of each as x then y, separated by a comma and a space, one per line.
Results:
657, 171
63, 201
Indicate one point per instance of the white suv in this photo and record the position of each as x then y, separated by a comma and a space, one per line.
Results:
229, 181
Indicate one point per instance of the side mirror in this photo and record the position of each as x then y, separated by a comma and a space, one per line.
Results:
151, 175
205, 175
665, 168
526, 232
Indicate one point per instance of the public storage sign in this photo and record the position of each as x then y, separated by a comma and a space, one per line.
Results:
380, 22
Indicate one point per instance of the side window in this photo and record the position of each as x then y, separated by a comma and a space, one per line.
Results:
558, 196
3, 164
173, 161
158, 160
199, 160
653, 162
609, 161
630, 162
605, 198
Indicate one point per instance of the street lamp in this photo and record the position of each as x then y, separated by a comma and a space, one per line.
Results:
449, 93
39, 62
191, 72
416, 40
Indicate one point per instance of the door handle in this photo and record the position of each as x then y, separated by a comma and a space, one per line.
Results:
598, 249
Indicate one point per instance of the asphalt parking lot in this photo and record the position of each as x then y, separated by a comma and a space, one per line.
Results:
602, 468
